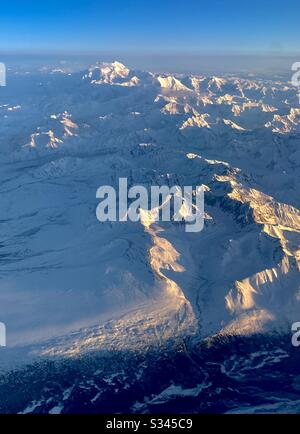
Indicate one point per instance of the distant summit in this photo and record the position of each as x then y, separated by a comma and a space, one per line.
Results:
114, 73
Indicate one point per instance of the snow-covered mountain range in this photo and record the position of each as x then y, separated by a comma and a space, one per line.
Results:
69, 284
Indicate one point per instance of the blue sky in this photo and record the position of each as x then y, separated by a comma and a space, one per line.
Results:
211, 26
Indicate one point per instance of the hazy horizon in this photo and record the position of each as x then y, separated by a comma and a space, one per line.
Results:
156, 62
